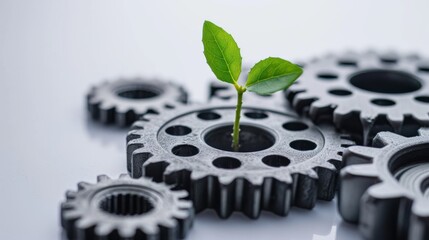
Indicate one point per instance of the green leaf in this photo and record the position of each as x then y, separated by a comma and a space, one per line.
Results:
271, 75
222, 53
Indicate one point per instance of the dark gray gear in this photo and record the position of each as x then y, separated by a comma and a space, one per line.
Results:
125, 100
284, 160
126, 208
366, 93
386, 188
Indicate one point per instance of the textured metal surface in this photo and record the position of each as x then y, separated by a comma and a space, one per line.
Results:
366, 93
125, 100
273, 179
386, 190
126, 208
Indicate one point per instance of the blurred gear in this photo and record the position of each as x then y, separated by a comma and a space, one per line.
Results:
366, 93
386, 189
126, 208
124, 101
283, 161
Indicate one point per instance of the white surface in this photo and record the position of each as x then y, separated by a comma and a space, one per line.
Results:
52, 51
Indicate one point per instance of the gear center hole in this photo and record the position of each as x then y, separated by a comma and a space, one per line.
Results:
386, 81
126, 204
252, 138
138, 92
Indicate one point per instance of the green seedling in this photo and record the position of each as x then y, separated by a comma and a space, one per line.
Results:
266, 77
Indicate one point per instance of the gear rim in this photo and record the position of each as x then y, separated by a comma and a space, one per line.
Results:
83, 215
384, 188
402, 111
145, 156
123, 101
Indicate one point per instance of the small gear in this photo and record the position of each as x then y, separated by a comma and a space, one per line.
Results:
283, 160
126, 208
124, 101
366, 93
386, 188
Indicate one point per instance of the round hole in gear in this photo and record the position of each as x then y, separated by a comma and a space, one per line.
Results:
303, 145
178, 130
383, 102
227, 163
424, 69
340, 92
386, 81
256, 114
276, 161
252, 138
388, 60
139, 91
185, 150
423, 98
347, 63
126, 204
327, 76
208, 115
295, 126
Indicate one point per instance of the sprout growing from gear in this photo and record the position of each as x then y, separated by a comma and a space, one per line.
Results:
266, 77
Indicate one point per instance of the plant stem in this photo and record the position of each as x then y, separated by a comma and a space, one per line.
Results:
236, 128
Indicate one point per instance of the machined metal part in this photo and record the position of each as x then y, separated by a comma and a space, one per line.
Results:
126, 208
385, 188
366, 93
283, 161
123, 101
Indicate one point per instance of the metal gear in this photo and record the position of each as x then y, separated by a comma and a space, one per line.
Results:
366, 93
386, 188
125, 100
283, 160
126, 208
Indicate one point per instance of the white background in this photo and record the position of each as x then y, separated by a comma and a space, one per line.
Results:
52, 51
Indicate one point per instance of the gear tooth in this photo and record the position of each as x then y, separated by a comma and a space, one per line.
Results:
102, 178
172, 168
359, 154
302, 101
139, 124
424, 132
126, 231
83, 185
150, 229
226, 199
421, 117
420, 208
340, 114
385, 191
124, 176
225, 180
320, 108
354, 181
184, 204
379, 200
198, 175
70, 195
419, 222
385, 138
305, 191
85, 223
181, 194
103, 229
255, 180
